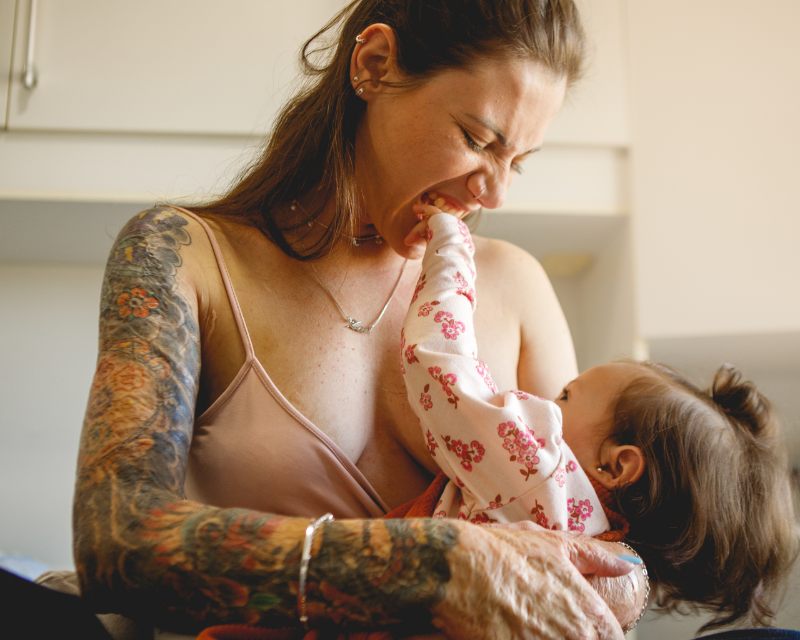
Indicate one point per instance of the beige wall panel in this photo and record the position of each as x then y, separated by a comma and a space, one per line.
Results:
597, 108
715, 165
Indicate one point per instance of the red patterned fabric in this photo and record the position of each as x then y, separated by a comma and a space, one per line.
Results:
423, 506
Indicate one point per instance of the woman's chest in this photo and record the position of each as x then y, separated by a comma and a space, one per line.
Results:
347, 384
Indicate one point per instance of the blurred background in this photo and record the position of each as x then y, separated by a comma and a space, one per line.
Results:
664, 205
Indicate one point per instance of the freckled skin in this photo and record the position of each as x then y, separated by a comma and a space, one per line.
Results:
141, 548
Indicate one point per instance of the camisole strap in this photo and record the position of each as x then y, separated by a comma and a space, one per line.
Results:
226, 279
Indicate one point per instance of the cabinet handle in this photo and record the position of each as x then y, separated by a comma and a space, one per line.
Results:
29, 72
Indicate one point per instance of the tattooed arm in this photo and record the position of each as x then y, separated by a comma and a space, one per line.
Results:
144, 550
140, 547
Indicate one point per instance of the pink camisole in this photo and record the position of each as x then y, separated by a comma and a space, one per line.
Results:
251, 449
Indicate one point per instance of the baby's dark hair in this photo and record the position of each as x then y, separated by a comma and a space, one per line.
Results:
713, 515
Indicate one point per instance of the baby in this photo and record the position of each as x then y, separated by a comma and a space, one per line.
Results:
696, 481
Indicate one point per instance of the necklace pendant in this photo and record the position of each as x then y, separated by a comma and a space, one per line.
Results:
359, 329
355, 325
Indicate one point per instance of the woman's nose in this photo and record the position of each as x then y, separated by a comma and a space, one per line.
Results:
490, 187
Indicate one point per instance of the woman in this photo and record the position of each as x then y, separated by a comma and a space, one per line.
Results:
418, 97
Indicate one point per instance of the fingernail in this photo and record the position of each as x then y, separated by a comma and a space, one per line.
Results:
420, 216
631, 559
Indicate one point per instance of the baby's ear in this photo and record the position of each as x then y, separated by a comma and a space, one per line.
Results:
622, 465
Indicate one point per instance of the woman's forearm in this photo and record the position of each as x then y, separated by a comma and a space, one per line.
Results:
181, 563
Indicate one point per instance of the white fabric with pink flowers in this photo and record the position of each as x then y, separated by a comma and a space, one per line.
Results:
502, 451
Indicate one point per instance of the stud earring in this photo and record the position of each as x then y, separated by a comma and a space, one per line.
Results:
355, 78
360, 40
600, 469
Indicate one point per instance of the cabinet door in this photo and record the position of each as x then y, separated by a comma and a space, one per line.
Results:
178, 66
6, 43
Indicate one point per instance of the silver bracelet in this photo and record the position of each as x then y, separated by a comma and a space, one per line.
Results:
647, 587
304, 560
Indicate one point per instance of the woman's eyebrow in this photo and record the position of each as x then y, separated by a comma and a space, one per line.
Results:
500, 135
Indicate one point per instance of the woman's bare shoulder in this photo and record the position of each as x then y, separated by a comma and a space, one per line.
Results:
175, 239
508, 265
519, 283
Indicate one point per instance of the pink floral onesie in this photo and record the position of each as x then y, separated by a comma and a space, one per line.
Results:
502, 451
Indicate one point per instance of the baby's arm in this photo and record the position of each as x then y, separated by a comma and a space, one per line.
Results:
492, 444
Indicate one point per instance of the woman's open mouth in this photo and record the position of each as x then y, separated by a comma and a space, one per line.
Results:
442, 202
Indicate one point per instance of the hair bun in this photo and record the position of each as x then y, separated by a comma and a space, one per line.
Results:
739, 399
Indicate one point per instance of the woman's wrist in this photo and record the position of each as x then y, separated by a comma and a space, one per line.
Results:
375, 573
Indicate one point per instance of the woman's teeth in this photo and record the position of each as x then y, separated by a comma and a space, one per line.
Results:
440, 203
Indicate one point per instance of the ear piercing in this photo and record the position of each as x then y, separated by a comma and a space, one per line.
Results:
360, 40
360, 91
600, 469
355, 78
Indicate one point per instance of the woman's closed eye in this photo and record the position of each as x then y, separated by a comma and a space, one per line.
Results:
479, 149
564, 395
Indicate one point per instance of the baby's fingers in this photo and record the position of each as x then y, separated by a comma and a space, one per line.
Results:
417, 233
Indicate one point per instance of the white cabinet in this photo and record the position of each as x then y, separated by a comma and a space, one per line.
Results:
178, 66
206, 67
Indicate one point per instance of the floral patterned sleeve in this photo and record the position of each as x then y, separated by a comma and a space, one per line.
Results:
502, 451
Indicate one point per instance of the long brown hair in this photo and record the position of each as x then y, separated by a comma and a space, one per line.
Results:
311, 151
714, 514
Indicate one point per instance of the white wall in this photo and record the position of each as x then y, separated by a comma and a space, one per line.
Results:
715, 165
48, 347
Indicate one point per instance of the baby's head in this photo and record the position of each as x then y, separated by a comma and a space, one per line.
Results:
701, 476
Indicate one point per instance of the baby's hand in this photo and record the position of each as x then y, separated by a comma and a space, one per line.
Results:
424, 211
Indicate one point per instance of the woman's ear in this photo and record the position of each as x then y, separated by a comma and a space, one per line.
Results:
374, 58
621, 465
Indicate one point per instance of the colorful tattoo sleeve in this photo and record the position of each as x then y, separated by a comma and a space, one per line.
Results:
143, 550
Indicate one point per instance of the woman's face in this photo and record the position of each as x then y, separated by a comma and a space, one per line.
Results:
463, 135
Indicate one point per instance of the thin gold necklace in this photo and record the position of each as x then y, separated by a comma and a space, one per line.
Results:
352, 323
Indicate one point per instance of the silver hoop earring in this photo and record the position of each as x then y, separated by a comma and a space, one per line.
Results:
359, 92
360, 40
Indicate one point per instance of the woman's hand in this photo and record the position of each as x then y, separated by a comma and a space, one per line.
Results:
625, 595
517, 582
